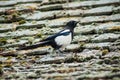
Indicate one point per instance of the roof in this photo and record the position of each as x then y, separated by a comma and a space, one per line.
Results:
93, 54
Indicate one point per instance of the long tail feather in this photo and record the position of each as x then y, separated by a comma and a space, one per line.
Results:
40, 44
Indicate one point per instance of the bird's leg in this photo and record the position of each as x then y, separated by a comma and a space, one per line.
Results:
58, 52
55, 52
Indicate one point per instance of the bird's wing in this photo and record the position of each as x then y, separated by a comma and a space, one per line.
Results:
52, 37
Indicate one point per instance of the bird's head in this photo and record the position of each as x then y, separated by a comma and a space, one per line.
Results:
71, 24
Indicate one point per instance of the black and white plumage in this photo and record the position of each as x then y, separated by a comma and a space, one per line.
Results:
58, 40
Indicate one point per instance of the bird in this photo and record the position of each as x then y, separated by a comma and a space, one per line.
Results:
59, 40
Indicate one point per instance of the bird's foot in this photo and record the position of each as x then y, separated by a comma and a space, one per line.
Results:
57, 53
60, 53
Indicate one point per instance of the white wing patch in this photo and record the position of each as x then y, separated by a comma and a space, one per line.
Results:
63, 40
65, 31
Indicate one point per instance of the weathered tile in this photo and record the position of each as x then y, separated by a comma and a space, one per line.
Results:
98, 28
99, 10
97, 45
50, 7
38, 16
33, 24
19, 33
89, 3
93, 19
29, 1
46, 2
61, 21
4, 9
7, 3
73, 47
106, 37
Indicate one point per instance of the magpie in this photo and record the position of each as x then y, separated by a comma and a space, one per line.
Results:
59, 40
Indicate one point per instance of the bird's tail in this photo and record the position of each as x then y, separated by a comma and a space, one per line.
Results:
40, 44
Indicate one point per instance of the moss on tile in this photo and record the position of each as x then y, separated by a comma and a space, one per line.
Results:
3, 41
22, 22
